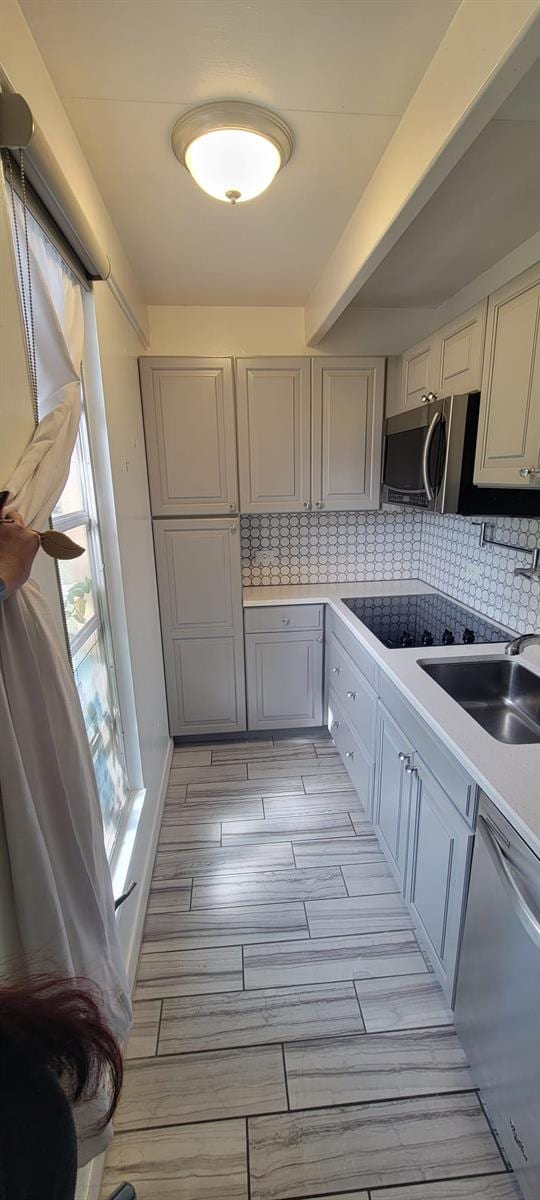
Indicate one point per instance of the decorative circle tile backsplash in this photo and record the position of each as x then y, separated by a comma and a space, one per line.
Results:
290, 548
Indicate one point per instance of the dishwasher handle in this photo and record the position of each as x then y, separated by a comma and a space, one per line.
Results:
522, 909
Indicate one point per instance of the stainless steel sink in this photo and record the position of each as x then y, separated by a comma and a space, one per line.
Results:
501, 694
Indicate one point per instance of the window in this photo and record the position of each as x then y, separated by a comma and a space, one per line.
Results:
88, 629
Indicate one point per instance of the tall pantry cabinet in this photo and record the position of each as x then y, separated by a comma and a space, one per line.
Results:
190, 430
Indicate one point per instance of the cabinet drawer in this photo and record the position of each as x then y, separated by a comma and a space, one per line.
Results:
357, 763
353, 691
360, 657
459, 787
283, 617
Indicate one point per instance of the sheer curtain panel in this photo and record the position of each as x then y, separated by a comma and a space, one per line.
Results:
61, 882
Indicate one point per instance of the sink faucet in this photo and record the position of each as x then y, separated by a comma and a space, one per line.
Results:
519, 643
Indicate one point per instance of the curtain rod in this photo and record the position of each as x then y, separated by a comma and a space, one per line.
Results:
19, 131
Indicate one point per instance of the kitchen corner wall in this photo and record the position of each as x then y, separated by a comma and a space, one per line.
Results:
284, 548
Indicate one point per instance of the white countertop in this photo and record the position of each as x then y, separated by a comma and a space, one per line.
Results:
510, 775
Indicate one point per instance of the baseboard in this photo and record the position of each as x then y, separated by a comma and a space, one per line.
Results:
131, 915
130, 928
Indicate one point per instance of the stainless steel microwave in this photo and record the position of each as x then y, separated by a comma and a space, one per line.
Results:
429, 463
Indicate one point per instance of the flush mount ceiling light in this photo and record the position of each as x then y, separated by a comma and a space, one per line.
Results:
233, 150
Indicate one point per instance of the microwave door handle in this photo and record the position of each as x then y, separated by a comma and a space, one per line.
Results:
425, 456
521, 908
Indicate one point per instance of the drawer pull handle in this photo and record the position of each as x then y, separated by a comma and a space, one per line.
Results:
411, 770
286, 620
351, 695
336, 670
349, 754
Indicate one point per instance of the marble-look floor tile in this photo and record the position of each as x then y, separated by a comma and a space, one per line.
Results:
343, 1196
299, 766
406, 1002
190, 756
189, 972
384, 1066
214, 810
142, 1040
359, 821
187, 835
319, 802
191, 1162
369, 879
268, 1015
369, 1146
266, 752
207, 774
254, 788
201, 1087
338, 852
357, 914
263, 887
302, 827
486, 1187
233, 925
171, 865
337, 781
171, 899
322, 960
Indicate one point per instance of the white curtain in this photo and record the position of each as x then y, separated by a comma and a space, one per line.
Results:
61, 881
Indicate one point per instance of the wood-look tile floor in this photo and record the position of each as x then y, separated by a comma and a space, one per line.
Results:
290, 1039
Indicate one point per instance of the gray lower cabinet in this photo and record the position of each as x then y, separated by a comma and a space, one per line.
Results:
440, 848
200, 597
284, 668
393, 792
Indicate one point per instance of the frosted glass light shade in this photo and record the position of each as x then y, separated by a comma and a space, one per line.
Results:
232, 149
233, 164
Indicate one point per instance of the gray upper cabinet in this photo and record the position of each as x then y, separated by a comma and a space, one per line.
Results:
348, 403
274, 433
509, 429
420, 371
189, 421
200, 595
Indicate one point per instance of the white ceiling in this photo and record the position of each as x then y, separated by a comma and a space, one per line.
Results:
340, 72
487, 206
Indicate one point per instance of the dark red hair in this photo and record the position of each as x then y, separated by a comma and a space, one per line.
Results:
59, 1023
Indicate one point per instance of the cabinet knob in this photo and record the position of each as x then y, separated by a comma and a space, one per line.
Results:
411, 770
335, 724
404, 758
232, 507
318, 504
351, 695
234, 528
306, 503
336, 670
320, 639
432, 395
349, 754
286, 620
529, 472
423, 399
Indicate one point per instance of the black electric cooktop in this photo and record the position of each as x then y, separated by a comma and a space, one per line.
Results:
424, 620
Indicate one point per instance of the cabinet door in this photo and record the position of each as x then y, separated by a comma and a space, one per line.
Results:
188, 406
509, 429
420, 372
274, 433
284, 680
440, 847
393, 793
200, 596
462, 352
348, 403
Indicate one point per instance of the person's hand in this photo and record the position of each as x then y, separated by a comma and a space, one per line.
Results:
18, 548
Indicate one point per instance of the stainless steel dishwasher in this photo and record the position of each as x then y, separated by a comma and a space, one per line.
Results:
498, 994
